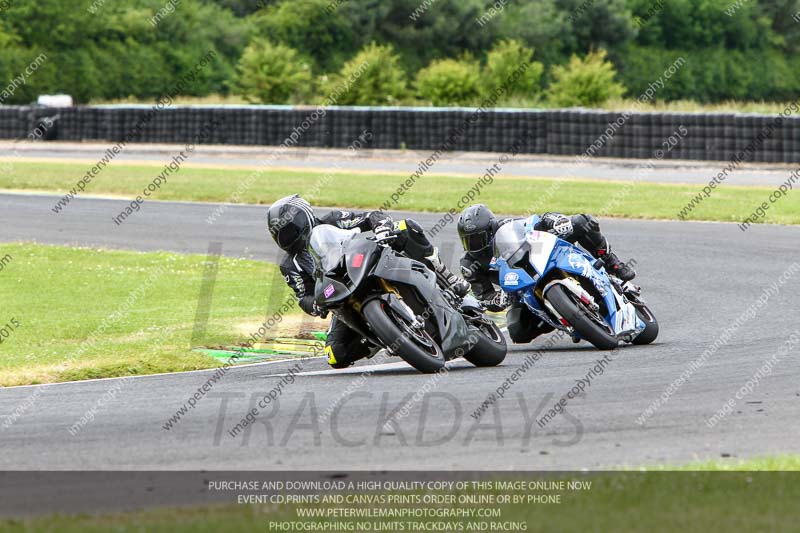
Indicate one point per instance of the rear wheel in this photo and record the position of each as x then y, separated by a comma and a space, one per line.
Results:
488, 343
586, 322
651, 325
414, 345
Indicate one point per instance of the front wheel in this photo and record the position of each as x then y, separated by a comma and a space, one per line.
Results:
650, 331
586, 322
415, 346
488, 343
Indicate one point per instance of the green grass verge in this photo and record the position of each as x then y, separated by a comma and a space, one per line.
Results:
620, 502
60, 297
682, 106
775, 463
511, 195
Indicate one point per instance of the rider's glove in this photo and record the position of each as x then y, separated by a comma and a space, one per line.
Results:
497, 303
383, 232
308, 305
322, 313
555, 223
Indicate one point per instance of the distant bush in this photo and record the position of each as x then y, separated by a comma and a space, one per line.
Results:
775, 76
584, 82
110, 51
712, 74
373, 77
328, 37
506, 58
272, 74
449, 82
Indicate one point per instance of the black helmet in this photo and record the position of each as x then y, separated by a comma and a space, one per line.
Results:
476, 228
290, 221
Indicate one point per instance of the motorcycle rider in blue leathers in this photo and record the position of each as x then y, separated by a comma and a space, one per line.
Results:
477, 226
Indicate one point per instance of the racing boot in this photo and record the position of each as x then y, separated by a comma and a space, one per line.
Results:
615, 267
457, 284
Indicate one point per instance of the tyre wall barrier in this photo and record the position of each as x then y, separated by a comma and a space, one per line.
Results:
571, 132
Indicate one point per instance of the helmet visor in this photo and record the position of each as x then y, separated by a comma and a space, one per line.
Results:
476, 242
287, 236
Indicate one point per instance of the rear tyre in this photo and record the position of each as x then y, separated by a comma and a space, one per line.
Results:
416, 347
651, 326
585, 321
489, 348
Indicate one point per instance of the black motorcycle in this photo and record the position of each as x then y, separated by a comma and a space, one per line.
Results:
394, 302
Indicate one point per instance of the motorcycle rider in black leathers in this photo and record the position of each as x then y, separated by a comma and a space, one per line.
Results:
290, 221
476, 228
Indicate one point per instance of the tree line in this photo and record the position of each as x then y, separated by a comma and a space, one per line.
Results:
439, 52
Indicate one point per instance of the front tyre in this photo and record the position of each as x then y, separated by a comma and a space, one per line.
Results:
587, 323
650, 331
488, 343
415, 346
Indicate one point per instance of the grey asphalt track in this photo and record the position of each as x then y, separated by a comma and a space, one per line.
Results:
697, 278
383, 161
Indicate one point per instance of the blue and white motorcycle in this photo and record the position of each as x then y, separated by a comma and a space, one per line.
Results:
569, 289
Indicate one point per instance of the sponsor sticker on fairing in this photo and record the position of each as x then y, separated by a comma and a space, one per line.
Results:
511, 278
329, 290
576, 260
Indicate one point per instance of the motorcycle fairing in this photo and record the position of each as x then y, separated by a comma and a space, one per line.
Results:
359, 267
547, 252
524, 289
454, 330
340, 291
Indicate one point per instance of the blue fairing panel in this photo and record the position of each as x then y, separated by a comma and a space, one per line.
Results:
513, 279
573, 260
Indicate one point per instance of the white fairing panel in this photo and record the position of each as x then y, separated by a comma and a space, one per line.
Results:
626, 316
542, 244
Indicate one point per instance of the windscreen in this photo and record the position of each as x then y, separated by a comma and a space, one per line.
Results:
510, 243
327, 245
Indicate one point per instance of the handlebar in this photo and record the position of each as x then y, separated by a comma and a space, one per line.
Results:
390, 236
